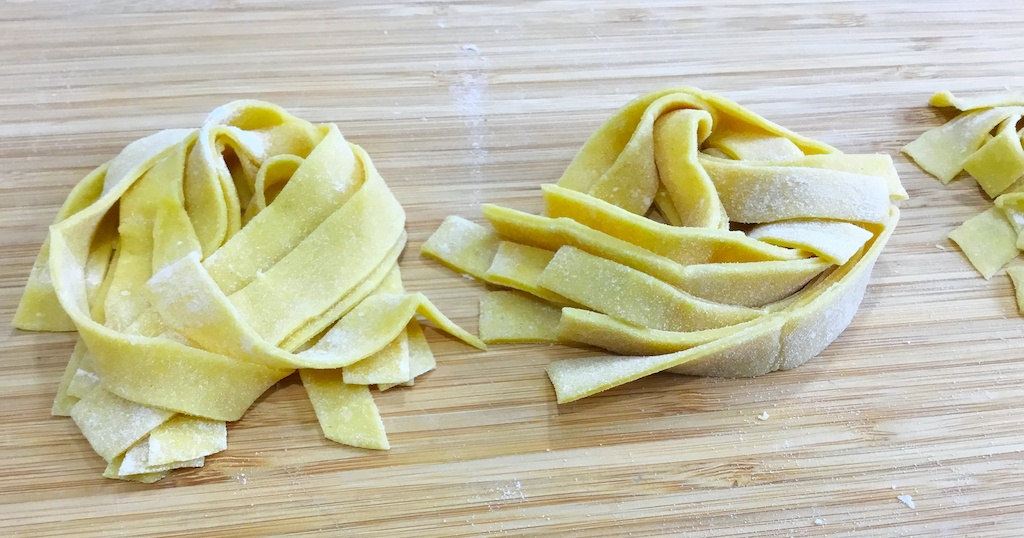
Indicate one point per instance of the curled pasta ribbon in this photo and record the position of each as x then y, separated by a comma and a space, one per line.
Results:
200, 267
688, 235
987, 141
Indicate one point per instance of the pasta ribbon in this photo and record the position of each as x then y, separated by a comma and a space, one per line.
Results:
646, 247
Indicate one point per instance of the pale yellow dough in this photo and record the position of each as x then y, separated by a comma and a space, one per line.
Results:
195, 285
1017, 277
694, 296
986, 141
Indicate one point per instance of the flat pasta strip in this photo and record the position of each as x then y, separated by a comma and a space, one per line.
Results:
1017, 277
339, 254
391, 363
865, 164
463, 246
758, 193
136, 461
388, 365
633, 296
421, 359
946, 98
113, 471
603, 331
347, 413
577, 378
324, 181
988, 240
519, 266
752, 284
1012, 205
553, 234
308, 330
112, 424
83, 382
39, 308
677, 138
835, 242
754, 146
63, 402
999, 162
372, 325
185, 438
513, 317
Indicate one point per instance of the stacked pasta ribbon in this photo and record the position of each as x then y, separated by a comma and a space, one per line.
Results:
200, 267
688, 235
987, 141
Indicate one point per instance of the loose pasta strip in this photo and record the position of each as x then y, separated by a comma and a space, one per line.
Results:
463, 246
1016, 274
988, 240
347, 413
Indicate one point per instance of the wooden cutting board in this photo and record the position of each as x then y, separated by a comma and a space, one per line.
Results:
462, 103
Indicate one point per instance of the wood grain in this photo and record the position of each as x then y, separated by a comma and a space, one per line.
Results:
462, 103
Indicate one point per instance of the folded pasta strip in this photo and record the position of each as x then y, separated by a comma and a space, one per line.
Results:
200, 267
686, 291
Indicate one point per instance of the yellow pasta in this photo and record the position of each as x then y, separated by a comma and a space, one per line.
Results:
633, 296
988, 240
347, 413
196, 282
833, 241
695, 296
985, 140
1017, 277
512, 317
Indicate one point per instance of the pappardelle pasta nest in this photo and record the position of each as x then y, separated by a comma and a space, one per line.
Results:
202, 266
688, 235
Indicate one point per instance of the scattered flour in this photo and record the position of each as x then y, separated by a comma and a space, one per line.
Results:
907, 500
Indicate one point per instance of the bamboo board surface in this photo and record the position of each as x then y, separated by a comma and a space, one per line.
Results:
463, 103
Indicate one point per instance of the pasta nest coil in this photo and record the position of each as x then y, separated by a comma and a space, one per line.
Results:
688, 235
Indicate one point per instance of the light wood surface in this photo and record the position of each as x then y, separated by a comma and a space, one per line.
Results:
462, 103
